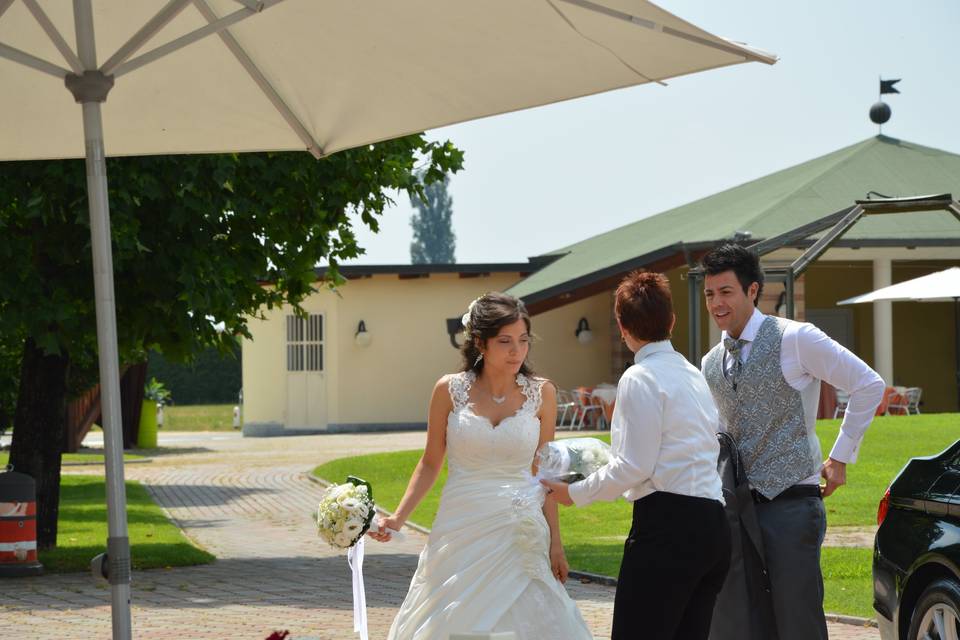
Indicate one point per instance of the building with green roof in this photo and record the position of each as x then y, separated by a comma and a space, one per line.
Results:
917, 350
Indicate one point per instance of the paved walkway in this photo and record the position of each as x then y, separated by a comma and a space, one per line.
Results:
250, 502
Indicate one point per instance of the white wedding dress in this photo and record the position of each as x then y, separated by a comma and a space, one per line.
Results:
486, 565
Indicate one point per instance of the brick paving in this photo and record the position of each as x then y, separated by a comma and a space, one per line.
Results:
249, 501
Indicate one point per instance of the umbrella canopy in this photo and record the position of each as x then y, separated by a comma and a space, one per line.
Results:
942, 286
196, 76
325, 76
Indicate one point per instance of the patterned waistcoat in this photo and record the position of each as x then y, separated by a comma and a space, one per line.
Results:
764, 414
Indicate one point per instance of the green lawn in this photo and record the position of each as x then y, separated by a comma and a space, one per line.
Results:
848, 580
594, 536
200, 417
890, 442
91, 456
154, 541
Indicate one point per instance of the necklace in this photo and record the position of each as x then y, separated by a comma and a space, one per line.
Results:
496, 399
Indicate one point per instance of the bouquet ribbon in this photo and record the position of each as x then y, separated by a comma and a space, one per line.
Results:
355, 560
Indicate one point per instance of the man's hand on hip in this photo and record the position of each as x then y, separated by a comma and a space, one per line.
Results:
835, 473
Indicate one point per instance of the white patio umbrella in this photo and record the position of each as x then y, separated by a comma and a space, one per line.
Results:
942, 286
197, 76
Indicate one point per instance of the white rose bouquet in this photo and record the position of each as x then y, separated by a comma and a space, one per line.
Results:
571, 459
345, 513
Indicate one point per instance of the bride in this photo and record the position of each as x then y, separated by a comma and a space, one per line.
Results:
494, 560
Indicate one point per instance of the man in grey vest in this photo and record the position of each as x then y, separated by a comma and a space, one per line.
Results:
765, 378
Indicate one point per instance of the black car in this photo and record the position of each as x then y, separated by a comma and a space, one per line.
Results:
916, 553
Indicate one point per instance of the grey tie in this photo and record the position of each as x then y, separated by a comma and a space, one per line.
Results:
735, 347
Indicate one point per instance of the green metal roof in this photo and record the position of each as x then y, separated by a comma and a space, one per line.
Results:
772, 205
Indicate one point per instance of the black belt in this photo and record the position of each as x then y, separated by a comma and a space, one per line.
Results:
796, 491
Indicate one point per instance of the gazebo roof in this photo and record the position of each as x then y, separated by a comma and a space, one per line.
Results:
769, 206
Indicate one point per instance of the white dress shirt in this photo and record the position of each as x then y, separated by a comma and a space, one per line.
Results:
663, 433
807, 356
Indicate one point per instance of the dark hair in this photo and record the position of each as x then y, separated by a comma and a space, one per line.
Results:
491, 312
644, 305
744, 263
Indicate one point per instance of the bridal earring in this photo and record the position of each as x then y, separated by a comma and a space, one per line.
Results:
477, 361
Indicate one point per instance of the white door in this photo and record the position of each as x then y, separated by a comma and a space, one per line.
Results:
306, 381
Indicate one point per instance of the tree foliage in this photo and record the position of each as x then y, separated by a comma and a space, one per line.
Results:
194, 240
433, 238
194, 237
11, 348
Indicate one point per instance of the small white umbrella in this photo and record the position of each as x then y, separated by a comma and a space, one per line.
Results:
942, 286
201, 76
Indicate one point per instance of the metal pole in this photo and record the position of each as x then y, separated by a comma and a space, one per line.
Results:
788, 289
118, 544
693, 339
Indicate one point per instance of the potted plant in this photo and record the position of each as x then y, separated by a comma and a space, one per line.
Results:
155, 395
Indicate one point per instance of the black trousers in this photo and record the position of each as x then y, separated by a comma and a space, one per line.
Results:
674, 564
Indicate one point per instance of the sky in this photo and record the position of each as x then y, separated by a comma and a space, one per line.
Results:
541, 179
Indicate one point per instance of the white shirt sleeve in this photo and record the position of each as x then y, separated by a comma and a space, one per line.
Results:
823, 358
636, 430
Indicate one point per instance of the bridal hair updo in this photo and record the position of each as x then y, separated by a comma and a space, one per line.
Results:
486, 316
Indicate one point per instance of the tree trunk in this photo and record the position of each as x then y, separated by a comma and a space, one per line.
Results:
38, 432
131, 401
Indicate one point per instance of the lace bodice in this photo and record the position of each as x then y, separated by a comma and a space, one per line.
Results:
474, 443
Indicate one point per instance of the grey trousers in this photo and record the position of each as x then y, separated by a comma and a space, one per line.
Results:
793, 531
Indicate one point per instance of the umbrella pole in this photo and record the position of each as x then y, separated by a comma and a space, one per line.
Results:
118, 544
90, 91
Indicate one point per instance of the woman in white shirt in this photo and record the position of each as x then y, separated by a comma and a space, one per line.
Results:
664, 460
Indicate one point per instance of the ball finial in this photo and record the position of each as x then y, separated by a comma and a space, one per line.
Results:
880, 112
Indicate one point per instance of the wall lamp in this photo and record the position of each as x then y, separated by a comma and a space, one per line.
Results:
362, 337
454, 326
583, 333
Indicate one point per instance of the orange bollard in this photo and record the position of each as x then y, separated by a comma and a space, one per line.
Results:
18, 525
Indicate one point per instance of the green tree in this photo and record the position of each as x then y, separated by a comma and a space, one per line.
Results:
433, 238
10, 349
194, 240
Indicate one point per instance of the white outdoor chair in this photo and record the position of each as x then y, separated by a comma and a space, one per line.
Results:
587, 405
843, 398
913, 400
565, 404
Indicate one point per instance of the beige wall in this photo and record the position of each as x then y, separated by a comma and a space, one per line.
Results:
387, 382
558, 355
263, 367
390, 380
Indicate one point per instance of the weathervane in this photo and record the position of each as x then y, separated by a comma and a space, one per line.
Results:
880, 111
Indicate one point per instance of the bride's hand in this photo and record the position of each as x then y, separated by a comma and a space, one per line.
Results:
558, 563
378, 528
